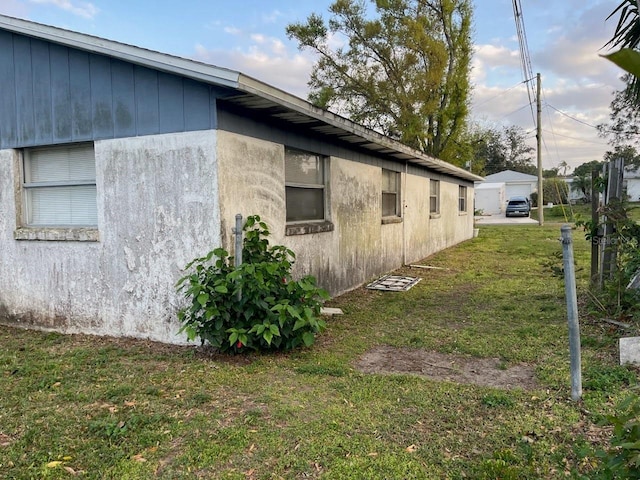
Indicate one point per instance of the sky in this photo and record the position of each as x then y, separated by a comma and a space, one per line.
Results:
565, 40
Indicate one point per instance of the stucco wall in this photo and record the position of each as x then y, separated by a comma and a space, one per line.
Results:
427, 234
360, 247
157, 210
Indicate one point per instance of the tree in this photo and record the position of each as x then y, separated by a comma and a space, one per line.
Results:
624, 118
627, 153
582, 178
495, 150
555, 190
627, 38
403, 72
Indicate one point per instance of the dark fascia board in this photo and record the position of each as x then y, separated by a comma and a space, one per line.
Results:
223, 77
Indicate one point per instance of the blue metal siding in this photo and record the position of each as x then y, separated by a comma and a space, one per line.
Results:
54, 94
42, 99
7, 91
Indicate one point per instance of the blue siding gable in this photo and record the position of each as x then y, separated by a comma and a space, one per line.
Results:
52, 94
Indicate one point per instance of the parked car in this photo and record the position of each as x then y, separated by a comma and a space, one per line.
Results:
518, 206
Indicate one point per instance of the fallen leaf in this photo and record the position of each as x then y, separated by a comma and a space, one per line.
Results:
372, 454
139, 458
411, 448
130, 404
54, 464
70, 470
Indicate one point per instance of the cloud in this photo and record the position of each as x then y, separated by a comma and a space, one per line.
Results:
266, 59
272, 17
82, 9
13, 8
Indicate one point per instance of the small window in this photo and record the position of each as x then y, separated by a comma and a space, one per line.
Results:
60, 186
304, 175
462, 198
390, 193
434, 196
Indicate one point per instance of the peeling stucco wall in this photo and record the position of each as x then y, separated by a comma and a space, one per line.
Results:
158, 209
360, 247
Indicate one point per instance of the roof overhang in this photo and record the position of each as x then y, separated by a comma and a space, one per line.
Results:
251, 93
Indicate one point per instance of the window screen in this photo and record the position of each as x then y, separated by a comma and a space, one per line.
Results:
305, 185
60, 186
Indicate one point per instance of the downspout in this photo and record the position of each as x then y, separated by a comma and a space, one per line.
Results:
403, 194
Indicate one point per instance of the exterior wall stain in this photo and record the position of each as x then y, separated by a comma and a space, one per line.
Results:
157, 210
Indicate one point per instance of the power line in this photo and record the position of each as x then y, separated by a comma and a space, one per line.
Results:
525, 58
571, 117
501, 93
575, 138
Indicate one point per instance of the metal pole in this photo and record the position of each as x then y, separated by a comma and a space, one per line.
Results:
572, 313
238, 251
539, 147
595, 241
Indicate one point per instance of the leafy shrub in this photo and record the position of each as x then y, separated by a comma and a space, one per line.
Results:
622, 460
256, 306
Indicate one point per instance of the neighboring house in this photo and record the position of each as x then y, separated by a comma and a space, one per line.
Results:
632, 183
516, 183
490, 198
119, 165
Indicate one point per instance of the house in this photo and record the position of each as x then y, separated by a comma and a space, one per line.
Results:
119, 165
516, 183
632, 183
490, 198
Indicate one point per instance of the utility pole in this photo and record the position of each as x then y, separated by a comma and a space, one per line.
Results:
539, 146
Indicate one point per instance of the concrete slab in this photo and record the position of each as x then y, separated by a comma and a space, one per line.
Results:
500, 218
330, 311
630, 350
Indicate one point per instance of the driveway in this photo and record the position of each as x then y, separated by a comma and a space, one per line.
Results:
500, 218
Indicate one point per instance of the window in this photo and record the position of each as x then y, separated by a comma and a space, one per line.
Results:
434, 196
390, 193
304, 175
462, 198
60, 186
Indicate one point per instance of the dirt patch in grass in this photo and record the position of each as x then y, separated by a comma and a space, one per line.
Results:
489, 372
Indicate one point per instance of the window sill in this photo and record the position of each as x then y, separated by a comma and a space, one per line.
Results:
462, 214
54, 234
434, 215
386, 220
310, 227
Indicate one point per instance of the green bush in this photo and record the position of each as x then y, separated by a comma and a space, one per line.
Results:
622, 460
256, 306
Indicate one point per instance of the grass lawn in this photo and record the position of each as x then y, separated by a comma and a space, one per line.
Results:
124, 409
581, 211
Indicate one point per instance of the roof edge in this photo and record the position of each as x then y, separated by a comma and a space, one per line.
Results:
137, 55
222, 77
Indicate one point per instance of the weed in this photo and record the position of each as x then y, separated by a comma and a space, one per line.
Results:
607, 378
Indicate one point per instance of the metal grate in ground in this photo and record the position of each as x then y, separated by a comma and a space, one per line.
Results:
393, 283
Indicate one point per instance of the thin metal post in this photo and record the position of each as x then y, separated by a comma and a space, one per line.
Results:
595, 241
572, 312
238, 251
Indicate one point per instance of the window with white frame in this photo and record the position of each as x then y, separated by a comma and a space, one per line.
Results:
59, 186
434, 196
462, 198
390, 193
304, 174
